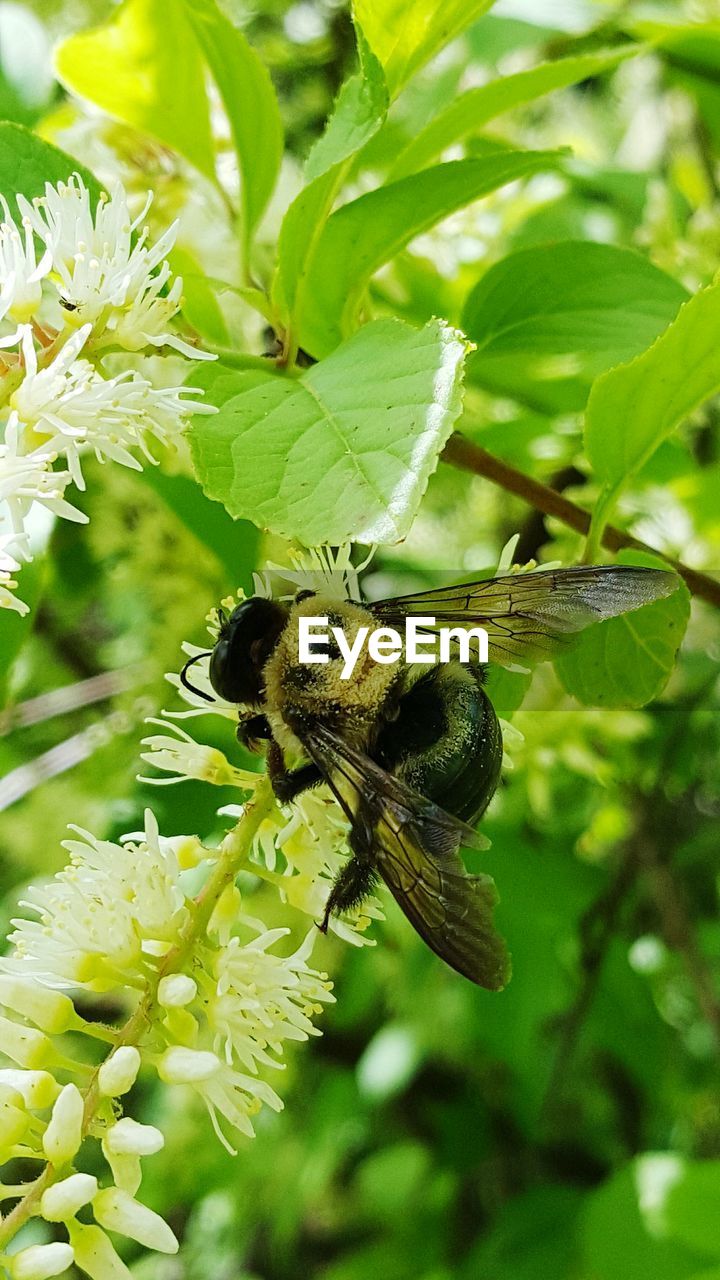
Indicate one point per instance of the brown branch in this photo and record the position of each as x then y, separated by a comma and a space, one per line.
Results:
467, 456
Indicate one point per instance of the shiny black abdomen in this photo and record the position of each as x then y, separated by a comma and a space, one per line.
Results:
446, 740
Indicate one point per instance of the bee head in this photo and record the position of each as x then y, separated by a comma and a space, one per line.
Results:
246, 640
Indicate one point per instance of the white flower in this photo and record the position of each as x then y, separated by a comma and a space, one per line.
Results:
40, 1261
64, 1199
101, 918
200, 678
94, 1254
319, 569
21, 274
37, 1088
182, 755
109, 274
62, 1138
71, 404
118, 1211
119, 1072
176, 990
8, 583
129, 1138
262, 999
26, 478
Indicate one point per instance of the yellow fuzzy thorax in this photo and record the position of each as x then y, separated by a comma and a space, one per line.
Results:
317, 689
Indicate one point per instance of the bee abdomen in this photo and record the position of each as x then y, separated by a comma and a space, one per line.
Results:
446, 741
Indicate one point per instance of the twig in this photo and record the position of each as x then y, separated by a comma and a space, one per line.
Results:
82, 693
467, 456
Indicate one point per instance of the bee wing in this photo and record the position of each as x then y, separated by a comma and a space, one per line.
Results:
530, 615
414, 845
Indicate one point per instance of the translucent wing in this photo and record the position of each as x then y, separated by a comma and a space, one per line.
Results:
529, 615
415, 847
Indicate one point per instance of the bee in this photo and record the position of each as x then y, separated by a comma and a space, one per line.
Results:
411, 754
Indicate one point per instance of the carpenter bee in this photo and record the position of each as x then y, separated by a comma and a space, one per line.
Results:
411, 753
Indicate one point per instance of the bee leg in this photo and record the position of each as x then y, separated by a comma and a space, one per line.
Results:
289, 783
355, 881
252, 732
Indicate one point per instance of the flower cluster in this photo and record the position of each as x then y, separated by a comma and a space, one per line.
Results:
80, 284
212, 1002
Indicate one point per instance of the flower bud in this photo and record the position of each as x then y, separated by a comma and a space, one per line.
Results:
64, 1199
63, 1135
119, 1073
126, 1171
117, 1211
38, 1088
176, 990
181, 1027
24, 1045
95, 1255
225, 913
129, 1138
50, 1010
188, 850
187, 1066
13, 1117
40, 1261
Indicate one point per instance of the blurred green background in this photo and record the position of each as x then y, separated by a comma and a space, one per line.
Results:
568, 1128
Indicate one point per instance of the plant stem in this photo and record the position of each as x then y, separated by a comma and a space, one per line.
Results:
233, 853
467, 456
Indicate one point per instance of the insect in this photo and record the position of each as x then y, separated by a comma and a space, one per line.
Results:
411, 754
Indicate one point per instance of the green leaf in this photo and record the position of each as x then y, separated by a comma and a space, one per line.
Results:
234, 542
143, 67
406, 33
626, 661
689, 1209
369, 231
506, 689
345, 451
634, 408
359, 111
619, 1240
200, 306
27, 163
595, 304
250, 101
468, 113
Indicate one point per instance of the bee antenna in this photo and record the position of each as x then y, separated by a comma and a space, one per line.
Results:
184, 680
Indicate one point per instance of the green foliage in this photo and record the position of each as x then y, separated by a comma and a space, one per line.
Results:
249, 99
365, 233
354, 212
405, 35
633, 408
627, 661
144, 68
27, 163
469, 112
594, 304
344, 451
358, 113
